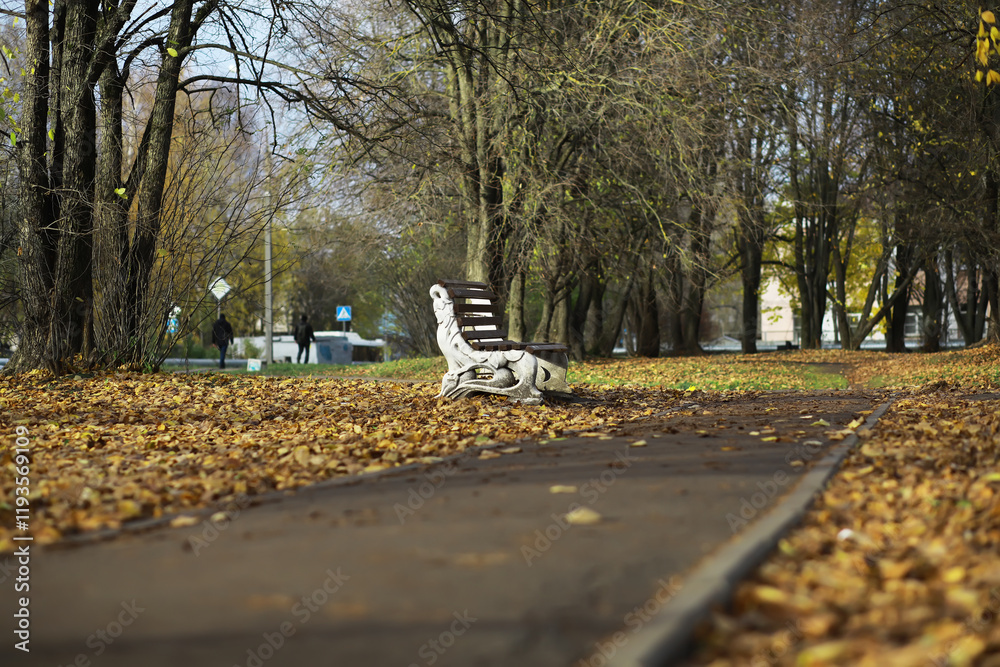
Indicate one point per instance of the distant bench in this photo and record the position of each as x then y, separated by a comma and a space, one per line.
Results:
480, 358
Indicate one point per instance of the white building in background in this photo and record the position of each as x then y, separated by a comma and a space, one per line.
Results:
779, 324
777, 321
331, 347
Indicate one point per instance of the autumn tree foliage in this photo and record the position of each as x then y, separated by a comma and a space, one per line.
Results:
542, 134
610, 167
988, 116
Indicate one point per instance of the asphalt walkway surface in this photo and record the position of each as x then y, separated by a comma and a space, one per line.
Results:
536, 554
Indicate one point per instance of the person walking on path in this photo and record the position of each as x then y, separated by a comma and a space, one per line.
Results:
304, 335
222, 336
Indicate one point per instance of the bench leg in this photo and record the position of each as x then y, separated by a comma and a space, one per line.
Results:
552, 372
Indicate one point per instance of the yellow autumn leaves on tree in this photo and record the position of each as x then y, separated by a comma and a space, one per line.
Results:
986, 41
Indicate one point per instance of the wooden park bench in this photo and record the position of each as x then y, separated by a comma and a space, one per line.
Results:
480, 358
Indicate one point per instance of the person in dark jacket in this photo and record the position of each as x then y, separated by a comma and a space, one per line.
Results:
222, 336
304, 335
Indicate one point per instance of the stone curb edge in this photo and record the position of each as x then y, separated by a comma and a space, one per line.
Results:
667, 636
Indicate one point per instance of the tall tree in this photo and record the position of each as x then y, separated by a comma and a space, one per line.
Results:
825, 160
758, 50
90, 235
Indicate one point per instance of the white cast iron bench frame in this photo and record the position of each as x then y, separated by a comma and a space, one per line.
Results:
480, 358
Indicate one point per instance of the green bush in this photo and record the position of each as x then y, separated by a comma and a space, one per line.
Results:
189, 349
251, 351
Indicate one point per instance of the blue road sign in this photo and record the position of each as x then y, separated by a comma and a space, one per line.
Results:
343, 313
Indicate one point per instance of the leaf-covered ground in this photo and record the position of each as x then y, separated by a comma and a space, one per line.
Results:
896, 565
116, 448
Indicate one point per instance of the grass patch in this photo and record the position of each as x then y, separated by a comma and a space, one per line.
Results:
423, 369
802, 370
715, 372
722, 372
288, 370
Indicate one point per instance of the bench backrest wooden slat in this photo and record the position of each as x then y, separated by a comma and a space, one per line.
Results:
462, 283
477, 314
468, 293
484, 308
479, 321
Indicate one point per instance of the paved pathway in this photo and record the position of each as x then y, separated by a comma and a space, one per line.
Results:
468, 563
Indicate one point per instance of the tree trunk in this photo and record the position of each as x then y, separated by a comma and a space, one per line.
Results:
582, 308
616, 304
56, 227
991, 280
750, 270
149, 195
516, 325
674, 298
74, 225
545, 323
647, 319
964, 317
559, 326
895, 338
694, 297
932, 310
111, 219
991, 216
476, 53
595, 321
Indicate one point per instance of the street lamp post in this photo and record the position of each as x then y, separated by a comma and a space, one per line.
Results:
268, 288
268, 297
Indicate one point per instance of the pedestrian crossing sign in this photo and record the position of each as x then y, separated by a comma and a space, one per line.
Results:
343, 313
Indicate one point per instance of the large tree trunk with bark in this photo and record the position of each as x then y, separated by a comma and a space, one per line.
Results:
674, 299
614, 305
149, 194
589, 291
932, 310
479, 54
990, 231
41, 341
895, 338
750, 270
965, 294
75, 220
694, 298
516, 326
56, 198
647, 318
